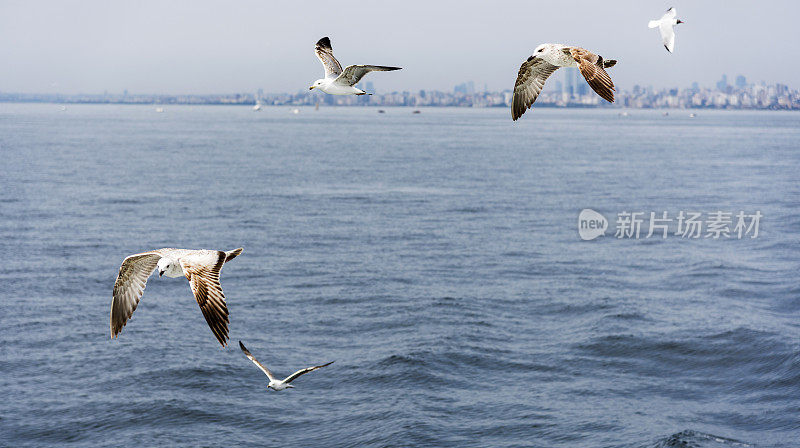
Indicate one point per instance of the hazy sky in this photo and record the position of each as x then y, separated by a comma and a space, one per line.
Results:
239, 46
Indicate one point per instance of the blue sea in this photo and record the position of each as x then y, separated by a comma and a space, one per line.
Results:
435, 257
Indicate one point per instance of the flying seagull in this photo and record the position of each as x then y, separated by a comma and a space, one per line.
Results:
548, 58
666, 26
274, 383
336, 81
200, 267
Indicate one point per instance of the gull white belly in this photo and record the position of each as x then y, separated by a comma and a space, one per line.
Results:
337, 89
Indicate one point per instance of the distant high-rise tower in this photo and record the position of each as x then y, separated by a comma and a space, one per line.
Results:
569, 82
581, 87
722, 84
741, 82
467, 88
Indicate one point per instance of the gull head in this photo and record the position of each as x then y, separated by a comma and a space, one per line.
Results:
543, 50
169, 267
547, 52
317, 84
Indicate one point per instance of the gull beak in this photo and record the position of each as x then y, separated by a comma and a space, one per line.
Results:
679, 21
160, 272
311, 88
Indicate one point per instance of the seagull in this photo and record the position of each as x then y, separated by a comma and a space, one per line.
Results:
548, 58
274, 383
666, 25
200, 267
336, 81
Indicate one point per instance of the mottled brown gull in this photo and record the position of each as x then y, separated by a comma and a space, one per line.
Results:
200, 267
548, 58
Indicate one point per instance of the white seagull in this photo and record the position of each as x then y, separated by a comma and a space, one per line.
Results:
666, 26
200, 267
336, 81
274, 383
548, 58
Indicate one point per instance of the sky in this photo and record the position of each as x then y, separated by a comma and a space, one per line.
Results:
214, 47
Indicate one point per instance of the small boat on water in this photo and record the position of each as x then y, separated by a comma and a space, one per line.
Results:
692, 115
381, 111
295, 111
159, 110
417, 112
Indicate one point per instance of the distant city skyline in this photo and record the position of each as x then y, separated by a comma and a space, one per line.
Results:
572, 92
204, 47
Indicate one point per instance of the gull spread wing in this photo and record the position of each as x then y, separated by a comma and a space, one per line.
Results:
294, 376
530, 81
591, 67
129, 287
667, 35
202, 269
255, 361
353, 73
324, 52
670, 14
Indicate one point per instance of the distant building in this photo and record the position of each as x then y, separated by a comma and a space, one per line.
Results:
741, 82
574, 84
582, 87
722, 84
569, 82
467, 88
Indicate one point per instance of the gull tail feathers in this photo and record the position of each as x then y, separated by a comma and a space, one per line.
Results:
603, 63
232, 254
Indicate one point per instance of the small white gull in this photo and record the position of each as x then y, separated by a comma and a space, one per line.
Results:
666, 26
200, 267
336, 80
546, 59
274, 383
